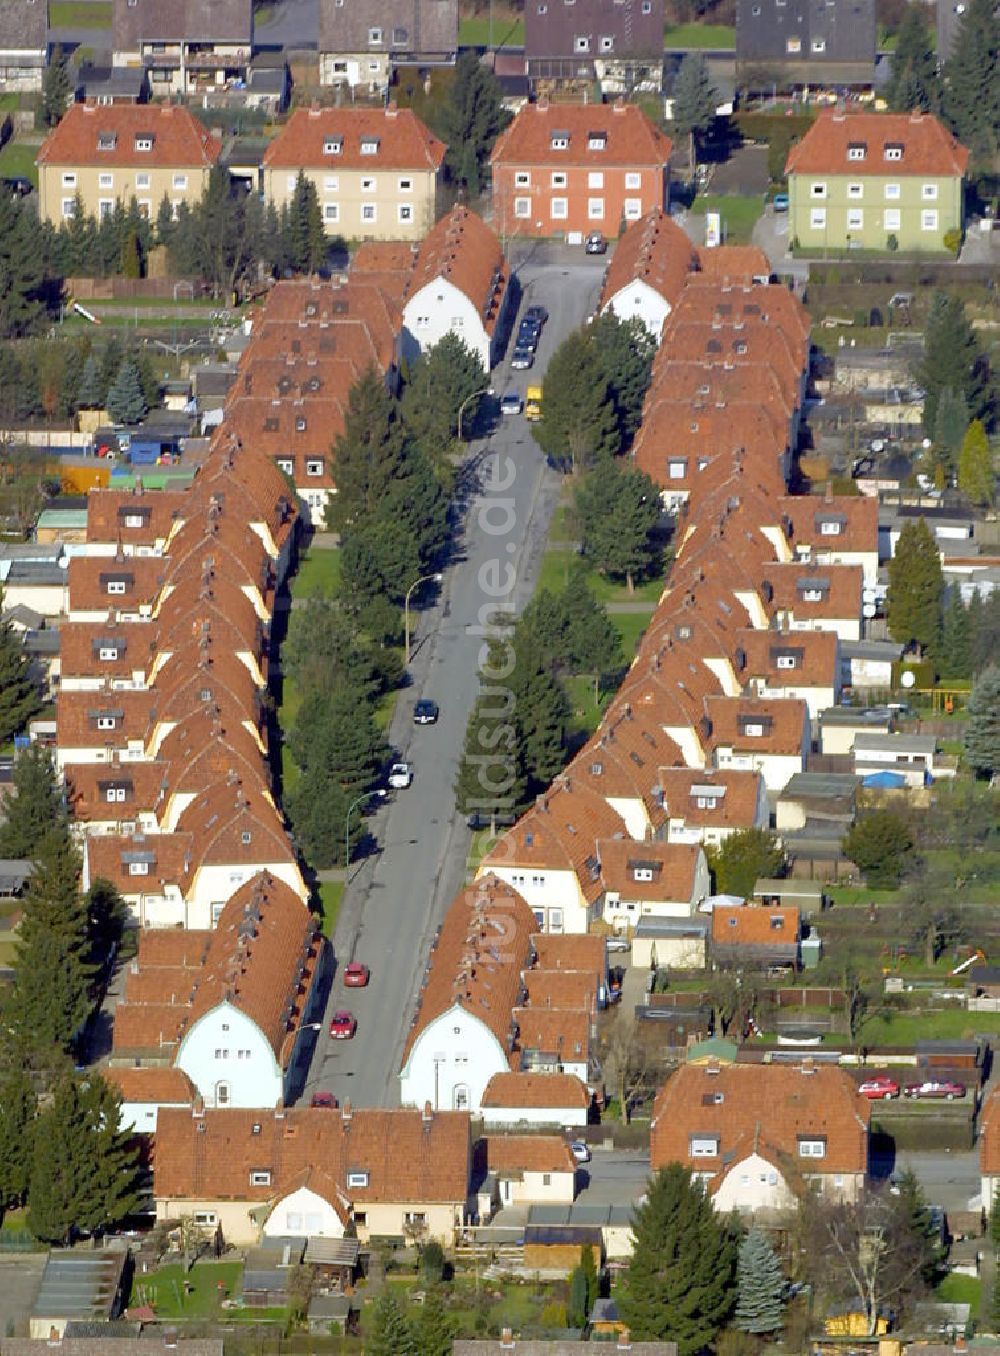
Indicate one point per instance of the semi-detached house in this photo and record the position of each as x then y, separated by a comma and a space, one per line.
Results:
100, 155
361, 44
877, 181
24, 45
376, 171
188, 47
565, 170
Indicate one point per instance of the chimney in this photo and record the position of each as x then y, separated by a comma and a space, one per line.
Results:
543, 104
619, 105
808, 1065
507, 1339
391, 108
314, 110
347, 1115
428, 1114
624, 1340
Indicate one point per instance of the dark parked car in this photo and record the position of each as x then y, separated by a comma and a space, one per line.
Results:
18, 186
595, 243
523, 359
425, 712
536, 313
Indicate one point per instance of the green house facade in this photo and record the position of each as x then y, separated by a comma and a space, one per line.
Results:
875, 181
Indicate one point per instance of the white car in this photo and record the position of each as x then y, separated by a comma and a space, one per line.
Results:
580, 1151
400, 776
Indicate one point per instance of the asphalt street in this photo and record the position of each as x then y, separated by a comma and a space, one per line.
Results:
397, 898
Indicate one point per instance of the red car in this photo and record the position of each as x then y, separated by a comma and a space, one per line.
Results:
356, 975
879, 1088
931, 1087
343, 1026
326, 1099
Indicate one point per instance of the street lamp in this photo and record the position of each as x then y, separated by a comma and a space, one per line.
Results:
484, 390
365, 795
437, 577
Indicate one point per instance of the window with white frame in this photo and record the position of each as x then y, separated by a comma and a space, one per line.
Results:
406, 185
595, 209
105, 181
928, 220
812, 1148
116, 585
855, 218
357, 1179
704, 1146
179, 182
115, 795
290, 183
145, 208
286, 464
606, 44
205, 1217
69, 181
108, 653
404, 212
369, 146
929, 192
558, 179
260, 1177
633, 209
787, 661
555, 920
893, 152
374, 36
368, 212
581, 44
68, 208
856, 151
676, 469
106, 722
522, 179
855, 191
522, 207
559, 209
753, 731
331, 183
369, 185
891, 218
333, 145
817, 190
595, 179
105, 206
143, 143
314, 466
633, 180
793, 45
817, 219
597, 141
818, 45
138, 868
892, 192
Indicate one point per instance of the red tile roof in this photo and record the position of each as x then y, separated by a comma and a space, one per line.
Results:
629, 137
166, 1087
179, 139
514, 1155
673, 867
132, 518
654, 251
465, 967
794, 659
402, 139
781, 720
927, 148
854, 516
776, 1103
534, 1090
741, 264
754, 926
408, 1156
732, 804
466, 252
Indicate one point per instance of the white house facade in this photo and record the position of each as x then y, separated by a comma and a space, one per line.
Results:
450, 1063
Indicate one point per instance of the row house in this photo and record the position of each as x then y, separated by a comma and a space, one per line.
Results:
536, 1100
564, 170
360, 45
648, 271
800, 666
521, 1170
460, 286
352, 1175
189, 48
837, 530
618, 43
763, 1137
499, 998
752, 937
705, 806
100, 155
24, 45
133, 522
792, 44
228, 1007
376, 171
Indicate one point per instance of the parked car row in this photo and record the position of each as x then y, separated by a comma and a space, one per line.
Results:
882, 1088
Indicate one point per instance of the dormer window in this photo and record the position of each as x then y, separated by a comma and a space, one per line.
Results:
116, 585
107, 141
333, 145
642, 873
399, 36
107, 653
857, 150
812, 1148
704, 1146
106, 722
753, 730
560, 140
300, 424
357, 1179
830, 527
597, 141
786, 661
144, 142
138, 868
707, 802
581, 44
314, 466
369, 145
115, 795
812, 595
777, 922
260, 1178
135, 520
606, 44
894, 151
374, 36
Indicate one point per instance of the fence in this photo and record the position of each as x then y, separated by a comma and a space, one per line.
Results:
130, 289
19, 1240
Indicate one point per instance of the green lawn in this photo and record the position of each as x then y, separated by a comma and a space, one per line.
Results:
331, 894
507, 31
956, 1289
904, 1028
165, 1289
558, 565
9, 102
739, 215
318, 572
80, 13
630, 626
17, 159
586, 712
700, 35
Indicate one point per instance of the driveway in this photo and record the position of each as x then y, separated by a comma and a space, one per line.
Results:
771, 233
397, 898
745, 173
